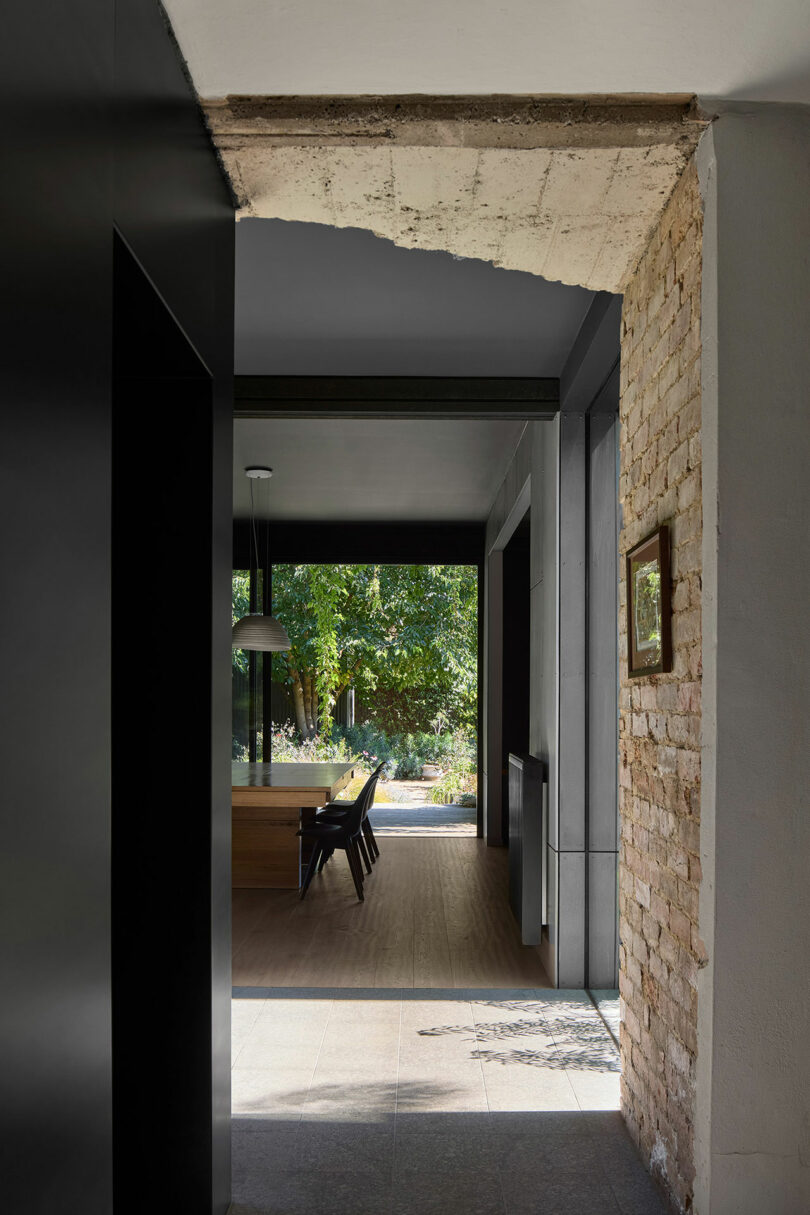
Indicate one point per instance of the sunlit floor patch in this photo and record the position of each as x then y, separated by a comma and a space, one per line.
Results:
413, 1102
423, 819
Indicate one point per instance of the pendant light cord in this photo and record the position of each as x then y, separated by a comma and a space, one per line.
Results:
253, 531
266, 581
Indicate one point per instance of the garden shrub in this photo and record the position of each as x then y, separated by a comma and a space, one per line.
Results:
404, 755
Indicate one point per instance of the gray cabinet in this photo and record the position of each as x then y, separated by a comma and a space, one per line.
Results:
527, 780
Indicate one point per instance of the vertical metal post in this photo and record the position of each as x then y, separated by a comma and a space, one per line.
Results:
267, 663
252, 669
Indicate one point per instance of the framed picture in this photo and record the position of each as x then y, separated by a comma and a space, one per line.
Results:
649, 631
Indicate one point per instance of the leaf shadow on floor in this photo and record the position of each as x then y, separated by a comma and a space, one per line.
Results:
369, 1097
573, 1041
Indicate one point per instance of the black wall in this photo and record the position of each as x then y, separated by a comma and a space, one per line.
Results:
104, 130
361, 543
55, 446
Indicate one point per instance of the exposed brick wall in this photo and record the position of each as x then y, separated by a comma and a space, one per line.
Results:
659, 733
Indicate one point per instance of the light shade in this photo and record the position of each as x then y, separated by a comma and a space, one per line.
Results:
257, 632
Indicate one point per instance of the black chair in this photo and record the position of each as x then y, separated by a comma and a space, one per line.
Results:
344, 831
335, 812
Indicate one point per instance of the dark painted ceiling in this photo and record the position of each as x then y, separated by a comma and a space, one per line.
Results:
373, 471
315, 300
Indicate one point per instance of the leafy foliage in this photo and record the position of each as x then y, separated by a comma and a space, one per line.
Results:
404, 710
377, 626
404, 756
240, 606
288, 748
458, 783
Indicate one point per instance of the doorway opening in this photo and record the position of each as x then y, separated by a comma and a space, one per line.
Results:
350, 456
383, 669
409, 588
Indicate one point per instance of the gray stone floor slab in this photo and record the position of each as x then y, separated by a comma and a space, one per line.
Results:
407, 1103
440, 1194
558, 1196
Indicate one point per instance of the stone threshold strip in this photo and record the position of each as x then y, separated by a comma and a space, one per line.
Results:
549, 994
566, 187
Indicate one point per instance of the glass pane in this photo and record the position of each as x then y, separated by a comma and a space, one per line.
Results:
241, 683
383, 665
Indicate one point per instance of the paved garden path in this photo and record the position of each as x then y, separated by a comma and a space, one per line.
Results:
413, 818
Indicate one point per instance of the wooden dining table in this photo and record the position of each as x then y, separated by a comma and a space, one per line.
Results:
269, 804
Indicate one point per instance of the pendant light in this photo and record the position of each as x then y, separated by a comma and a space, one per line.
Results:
257, 631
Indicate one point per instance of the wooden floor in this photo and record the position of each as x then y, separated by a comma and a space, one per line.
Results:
435, 915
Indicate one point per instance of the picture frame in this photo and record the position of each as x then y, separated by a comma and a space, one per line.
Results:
649, 613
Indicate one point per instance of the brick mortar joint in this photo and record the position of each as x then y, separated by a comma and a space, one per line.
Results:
660, 778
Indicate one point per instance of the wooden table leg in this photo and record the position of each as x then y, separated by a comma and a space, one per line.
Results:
266, 850
307, 816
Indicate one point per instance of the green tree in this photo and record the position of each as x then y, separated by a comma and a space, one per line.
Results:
240, 606
393, 626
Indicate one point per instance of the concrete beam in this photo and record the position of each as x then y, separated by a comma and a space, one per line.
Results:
567, 188
470, 122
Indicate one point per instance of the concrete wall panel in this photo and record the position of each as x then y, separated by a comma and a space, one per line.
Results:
571, 901
753, 1091
603, 705
602, 918
573, 590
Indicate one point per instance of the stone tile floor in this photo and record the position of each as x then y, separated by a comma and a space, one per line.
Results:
349, 1102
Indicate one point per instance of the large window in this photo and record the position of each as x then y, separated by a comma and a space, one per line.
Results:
383, 658
251, 670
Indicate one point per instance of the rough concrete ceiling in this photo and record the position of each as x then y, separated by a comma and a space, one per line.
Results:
568, 189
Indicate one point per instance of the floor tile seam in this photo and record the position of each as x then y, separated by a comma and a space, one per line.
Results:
479, 1045
565, 1072
591, 1017
318, 1055
513, 998
234, 1058
500, 1175
604, 1021
483, 1076
396, 1095
608, 1037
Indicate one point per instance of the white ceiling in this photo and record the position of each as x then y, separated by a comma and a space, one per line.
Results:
750, 49
373, 470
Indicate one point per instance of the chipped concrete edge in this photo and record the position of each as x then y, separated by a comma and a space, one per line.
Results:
475, 122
